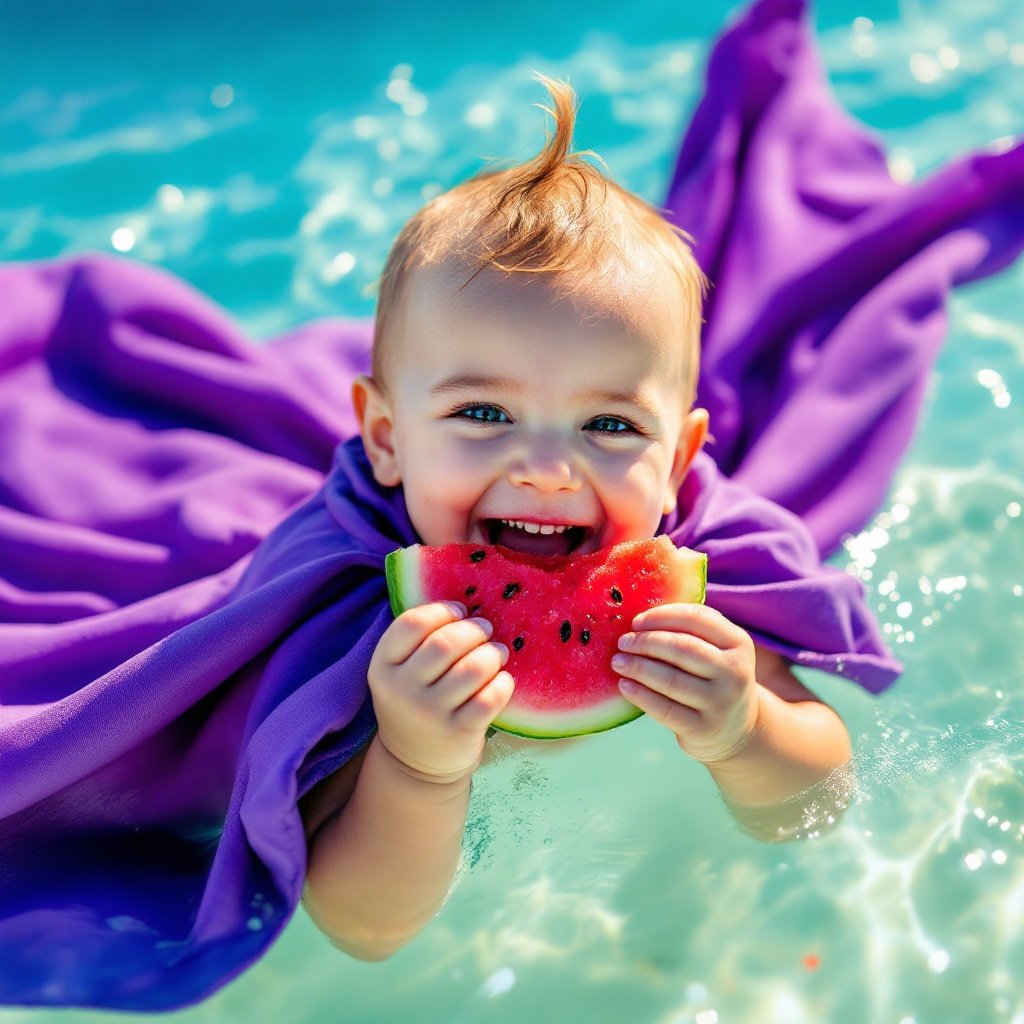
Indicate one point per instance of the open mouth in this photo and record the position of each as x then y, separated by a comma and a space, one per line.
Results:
557, 541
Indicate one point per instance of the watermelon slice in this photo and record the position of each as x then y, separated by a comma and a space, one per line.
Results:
560, 616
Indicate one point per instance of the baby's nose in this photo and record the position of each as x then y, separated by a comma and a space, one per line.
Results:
548, 468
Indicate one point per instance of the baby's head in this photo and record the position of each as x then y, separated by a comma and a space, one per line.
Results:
535, 358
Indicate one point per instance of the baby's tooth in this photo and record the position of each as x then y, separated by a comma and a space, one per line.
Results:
547, 530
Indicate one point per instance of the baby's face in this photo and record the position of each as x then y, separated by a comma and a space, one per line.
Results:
504, 405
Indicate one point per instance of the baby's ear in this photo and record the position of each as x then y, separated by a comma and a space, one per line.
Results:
376, 425
692, 436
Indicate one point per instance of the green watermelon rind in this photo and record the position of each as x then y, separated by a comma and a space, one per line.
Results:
603, 722
402, 572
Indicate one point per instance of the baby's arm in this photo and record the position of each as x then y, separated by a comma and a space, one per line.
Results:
385, 831
798, 742
381, 865
735, 707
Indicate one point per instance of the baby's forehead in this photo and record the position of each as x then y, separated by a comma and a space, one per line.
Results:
645, 299
520, 320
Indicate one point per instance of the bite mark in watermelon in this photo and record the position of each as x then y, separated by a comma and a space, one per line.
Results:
560, 616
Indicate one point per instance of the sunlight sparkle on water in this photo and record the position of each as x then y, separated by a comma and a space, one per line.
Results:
696, 992
170, 198
365, 127
680, 62
414, 105
925, 68
341, 265
222, 95
481, 115
123, 239
974, 860
950, 584
863, 42
996, 385
901, 166
864, 45
499, 982
400, 90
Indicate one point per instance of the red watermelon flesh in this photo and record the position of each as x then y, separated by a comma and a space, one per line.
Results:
560, 616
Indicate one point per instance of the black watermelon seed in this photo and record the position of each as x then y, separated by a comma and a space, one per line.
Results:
585, 637
517, 644
477, 556
616, 595
470, 591
565, 632
510, 589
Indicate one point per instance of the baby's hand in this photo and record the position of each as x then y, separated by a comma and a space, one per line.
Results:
697, 671
436, 686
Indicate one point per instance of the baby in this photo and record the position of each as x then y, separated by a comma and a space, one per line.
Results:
535, 362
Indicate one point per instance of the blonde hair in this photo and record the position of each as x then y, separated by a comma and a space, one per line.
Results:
555, 214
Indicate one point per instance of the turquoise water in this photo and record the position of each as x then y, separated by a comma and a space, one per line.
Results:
268, 156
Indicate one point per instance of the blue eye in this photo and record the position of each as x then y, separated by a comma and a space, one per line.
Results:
618, 426
480, 413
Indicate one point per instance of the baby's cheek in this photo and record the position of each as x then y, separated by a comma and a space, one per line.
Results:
634, 503
439, 503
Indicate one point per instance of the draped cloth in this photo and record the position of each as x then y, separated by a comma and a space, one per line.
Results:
192, 542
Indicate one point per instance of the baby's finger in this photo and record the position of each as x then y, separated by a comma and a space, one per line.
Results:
680, 687
444, 648
681, 650
414, 625
469, 674
487, 703
697, 619
678, 717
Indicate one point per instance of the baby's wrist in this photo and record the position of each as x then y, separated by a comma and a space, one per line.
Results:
401, 767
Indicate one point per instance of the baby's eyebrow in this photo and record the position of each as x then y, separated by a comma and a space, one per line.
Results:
469, 382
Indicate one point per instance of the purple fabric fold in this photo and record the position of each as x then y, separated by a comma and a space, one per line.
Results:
829, 278
192, 545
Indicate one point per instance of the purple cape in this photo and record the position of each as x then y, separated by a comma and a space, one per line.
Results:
191, 543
